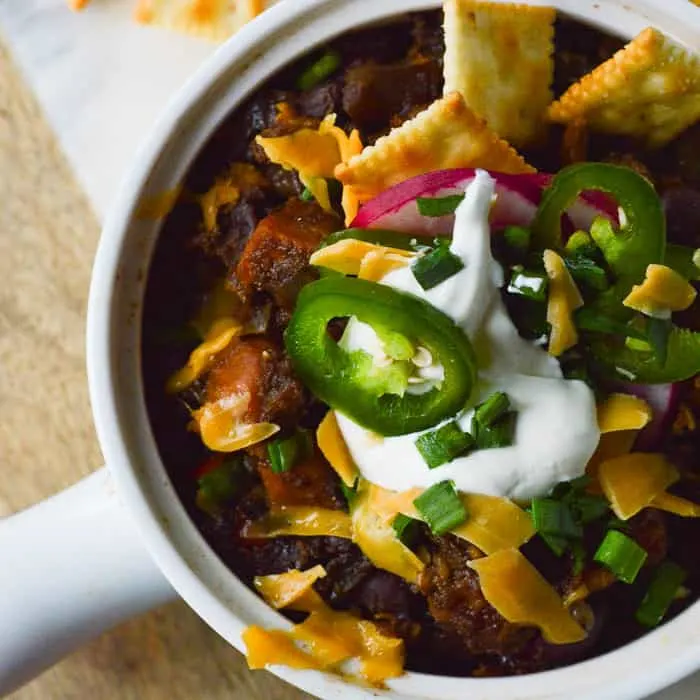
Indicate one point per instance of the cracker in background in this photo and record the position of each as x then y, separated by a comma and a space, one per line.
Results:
650, 89
499, 57
210, 19
446, 135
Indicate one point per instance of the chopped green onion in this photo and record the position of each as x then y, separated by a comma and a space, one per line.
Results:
444, 444
662, 591
320, 70
307, 195
555, 518
557, 544
439, 206
526, 283
488, 412
441, 507
435, 267
517, 237
581, 243
284, 453
219, 485
588, 272
589, 507
659, 330
349, 492
498, 434
622, 555
406, 528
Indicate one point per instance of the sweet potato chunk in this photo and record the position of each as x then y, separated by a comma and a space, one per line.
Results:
312, 482
278, 252
257, 367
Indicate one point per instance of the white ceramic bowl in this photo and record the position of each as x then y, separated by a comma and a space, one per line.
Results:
81, 562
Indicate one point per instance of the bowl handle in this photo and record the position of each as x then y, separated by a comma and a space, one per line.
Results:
70, 568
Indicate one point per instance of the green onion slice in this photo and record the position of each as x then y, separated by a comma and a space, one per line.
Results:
320, 70
218, 486
589, 507
622, 555
435, 267
499, 434
441, 507
439, 206
350, 492
495, 406
307, 195
444, 444
555, 518
406, 528
284, 453
529, 284
662, 591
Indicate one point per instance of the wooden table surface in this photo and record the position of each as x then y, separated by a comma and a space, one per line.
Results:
48, 236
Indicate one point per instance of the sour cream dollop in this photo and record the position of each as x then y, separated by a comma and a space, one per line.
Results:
557, 429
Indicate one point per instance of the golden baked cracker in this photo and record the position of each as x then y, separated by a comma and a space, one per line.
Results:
446, 135
499, 57
210, 19
650, 89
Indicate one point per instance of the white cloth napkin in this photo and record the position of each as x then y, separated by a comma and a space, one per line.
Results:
102, 81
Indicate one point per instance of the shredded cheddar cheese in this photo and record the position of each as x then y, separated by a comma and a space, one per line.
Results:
522, 595
283, 590
275, 647
303, 521
564, 299
352, 257
676, 505
373, 534
201, 358
314, 154
158, 206
378, 263
222, 429
332, 444
611, 445
662, 292
632, 481
493, 523
324, 641
623, 412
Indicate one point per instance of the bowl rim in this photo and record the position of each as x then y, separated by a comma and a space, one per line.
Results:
114, 368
